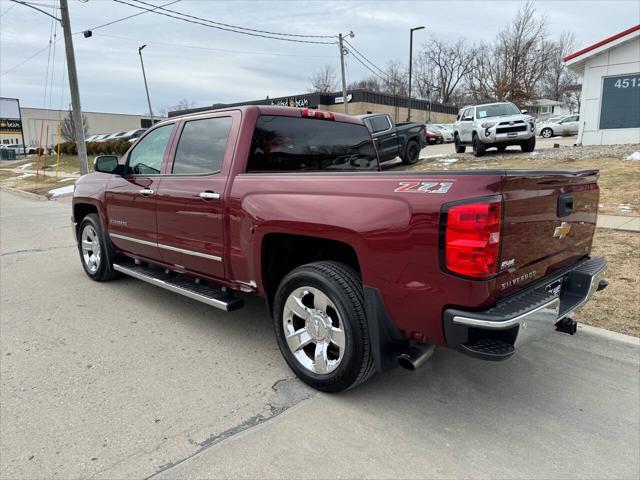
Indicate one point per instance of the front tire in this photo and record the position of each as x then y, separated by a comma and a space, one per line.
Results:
546, 133
412, 153
321, 326
479, 148
528, 145
459, 147
95, 254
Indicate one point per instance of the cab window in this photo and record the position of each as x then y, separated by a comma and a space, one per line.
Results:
146, 158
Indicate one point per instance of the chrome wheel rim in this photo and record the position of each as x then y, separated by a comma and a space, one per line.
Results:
91, 253
313, 330
546, 134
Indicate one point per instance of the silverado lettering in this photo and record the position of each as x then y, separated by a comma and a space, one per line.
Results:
291, 205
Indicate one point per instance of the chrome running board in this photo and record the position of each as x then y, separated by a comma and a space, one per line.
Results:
183, 285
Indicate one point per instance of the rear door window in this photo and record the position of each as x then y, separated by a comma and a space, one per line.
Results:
304, 144
201, 146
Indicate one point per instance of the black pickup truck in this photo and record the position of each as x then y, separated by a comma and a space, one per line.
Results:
404, 140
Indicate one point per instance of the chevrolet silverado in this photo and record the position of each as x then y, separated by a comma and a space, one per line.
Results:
360, 268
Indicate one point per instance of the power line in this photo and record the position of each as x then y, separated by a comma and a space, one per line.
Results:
365, 58
158, 12
385, 78
24, 61
236, 26
130, 16
7, 10
212, 49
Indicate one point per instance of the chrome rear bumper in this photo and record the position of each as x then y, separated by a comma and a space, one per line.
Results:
528, 315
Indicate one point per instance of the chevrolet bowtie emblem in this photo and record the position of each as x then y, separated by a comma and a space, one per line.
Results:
562, 231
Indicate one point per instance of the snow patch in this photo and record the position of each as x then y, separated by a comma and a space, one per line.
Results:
66, 179
439, 155
533, 154
25, 175
625, 206
447, 161
56, 192
633, 156
25, 166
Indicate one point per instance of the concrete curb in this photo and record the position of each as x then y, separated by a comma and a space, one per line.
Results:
619, 337
32, 196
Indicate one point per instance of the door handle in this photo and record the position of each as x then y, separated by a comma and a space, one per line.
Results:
393, 134
145, 192
208, 195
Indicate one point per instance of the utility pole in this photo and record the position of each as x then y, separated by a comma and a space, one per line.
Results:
344, 80
76, 111
410, 67
144, 76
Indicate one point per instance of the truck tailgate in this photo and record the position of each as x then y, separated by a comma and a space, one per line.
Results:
549, 222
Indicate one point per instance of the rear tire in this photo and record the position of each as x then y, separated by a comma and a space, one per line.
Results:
528, 145
459, 147
321, 326
96, 253
479, 148
411, 153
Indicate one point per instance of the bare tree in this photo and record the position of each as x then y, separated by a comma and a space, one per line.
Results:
68, 127
372, 83
183, 104
395, 79
442, 67
514, 66
323, 80
558, 78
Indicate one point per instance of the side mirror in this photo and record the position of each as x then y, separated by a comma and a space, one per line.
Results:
524, 112
105, 163
467, 119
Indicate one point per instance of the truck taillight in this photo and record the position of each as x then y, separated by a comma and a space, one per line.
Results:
471, 238
322, 115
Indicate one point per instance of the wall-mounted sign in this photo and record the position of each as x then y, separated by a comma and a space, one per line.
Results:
8, 125
620, 106
341, 100
299, 102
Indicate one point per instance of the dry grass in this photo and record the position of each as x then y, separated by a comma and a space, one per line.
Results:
619, 179
617, 307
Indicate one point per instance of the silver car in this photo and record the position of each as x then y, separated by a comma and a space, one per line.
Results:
495, 125
568, 125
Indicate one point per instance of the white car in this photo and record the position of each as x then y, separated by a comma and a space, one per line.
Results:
447, 134
565, 126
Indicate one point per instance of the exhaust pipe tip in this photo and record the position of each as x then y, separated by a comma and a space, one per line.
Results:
416, 356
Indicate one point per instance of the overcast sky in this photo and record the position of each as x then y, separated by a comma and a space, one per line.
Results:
205, 65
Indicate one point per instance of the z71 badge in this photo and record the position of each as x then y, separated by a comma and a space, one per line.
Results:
424, 187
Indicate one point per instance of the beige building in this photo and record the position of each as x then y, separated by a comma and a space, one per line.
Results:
35, 119
360, 102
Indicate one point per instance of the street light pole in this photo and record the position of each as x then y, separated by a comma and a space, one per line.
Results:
144, 76
344, 80
410, 66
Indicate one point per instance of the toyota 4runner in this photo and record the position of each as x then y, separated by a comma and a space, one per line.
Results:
494, 125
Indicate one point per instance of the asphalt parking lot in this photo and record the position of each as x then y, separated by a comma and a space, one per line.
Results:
124, 380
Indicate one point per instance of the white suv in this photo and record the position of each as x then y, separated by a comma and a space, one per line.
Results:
494, 125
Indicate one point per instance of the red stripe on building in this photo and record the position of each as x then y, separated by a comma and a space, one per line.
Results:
601, 43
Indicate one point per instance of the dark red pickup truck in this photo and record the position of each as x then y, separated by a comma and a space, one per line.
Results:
360, 268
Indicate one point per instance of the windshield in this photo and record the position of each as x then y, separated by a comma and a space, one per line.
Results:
497, 110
